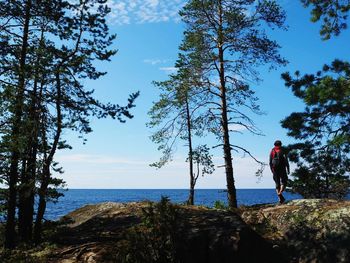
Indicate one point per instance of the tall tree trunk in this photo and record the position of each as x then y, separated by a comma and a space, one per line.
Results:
42, 202
28, 178
22, 196
42, 189
10, 228
328, 188
231, 189
190, 200
46, 174
26, 210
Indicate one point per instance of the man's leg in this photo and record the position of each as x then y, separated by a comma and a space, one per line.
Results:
280, 196
283, 187
278, 185
284, 180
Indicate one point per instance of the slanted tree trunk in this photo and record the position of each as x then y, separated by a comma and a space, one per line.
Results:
46, 173
10, 231
231, 189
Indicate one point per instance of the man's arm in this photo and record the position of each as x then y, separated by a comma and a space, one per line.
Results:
287, 164
270, 162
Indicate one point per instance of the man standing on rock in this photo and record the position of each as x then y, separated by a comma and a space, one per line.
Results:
279, 166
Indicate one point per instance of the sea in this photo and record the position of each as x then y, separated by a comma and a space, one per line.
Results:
75, 198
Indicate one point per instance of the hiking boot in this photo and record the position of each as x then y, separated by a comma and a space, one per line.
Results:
281, 198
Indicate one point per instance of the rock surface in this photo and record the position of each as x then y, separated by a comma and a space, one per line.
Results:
306, 230
209, 235
299, 231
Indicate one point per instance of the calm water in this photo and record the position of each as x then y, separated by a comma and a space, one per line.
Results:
75, 198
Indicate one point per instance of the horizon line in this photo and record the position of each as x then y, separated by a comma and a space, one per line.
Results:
164, 188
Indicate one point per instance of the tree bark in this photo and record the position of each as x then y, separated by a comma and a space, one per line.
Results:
231, 189
190, 200
26, 210
10, 231
46, 174
28, 177
22, 204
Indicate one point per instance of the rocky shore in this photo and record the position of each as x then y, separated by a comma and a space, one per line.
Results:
205, 235
298, 231
312, 230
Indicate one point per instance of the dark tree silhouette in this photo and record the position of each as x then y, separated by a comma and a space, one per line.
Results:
47, 49
333, 14
323, 129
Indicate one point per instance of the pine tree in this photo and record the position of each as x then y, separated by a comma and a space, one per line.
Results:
227, 41
322, 153
334, 15
322, 130
41, 83
202, 165
177, 113
320, 173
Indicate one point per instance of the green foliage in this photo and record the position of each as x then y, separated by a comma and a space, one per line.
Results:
155, 239
224, 43
3, 197
326, 95
322, 156
176, 115
220, 205
202, 160
333, 14
47, 50
320, 174
17, 256
26, 255
180, 115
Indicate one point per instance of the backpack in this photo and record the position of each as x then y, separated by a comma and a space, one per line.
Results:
278, 159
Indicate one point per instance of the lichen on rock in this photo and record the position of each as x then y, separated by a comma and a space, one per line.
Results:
306, 230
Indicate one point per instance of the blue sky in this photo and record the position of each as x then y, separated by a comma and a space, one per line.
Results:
148, 35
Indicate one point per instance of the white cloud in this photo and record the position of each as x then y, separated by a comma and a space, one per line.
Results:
236, 127
155, 61
168, 70
98, 159
106, 171
153, 3
144, 11
119, 14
